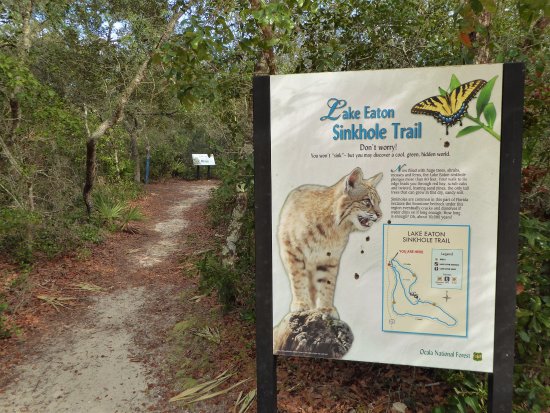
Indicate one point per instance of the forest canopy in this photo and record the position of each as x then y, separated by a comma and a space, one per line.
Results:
90, 89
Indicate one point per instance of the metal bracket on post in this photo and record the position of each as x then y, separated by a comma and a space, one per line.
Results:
501, 382
265, 360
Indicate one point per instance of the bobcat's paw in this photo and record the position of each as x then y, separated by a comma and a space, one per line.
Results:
331, 311
298, 306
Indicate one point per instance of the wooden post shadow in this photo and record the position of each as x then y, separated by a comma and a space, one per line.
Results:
265, 360
501, 381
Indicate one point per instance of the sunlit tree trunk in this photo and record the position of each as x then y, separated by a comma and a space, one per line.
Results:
117, 166
265, 65
23, 47
133, 129
483, 52
135, 157
118, 113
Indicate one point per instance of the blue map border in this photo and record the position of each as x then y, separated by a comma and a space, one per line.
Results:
467, 277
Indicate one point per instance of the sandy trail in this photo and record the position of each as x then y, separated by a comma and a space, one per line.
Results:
94, 365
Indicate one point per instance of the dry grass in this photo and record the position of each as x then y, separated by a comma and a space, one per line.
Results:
244, 403
88, 287
211, 334
56, 302
207, 390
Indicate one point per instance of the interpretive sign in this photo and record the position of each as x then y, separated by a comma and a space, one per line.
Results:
384, 198
386, 205
202, 159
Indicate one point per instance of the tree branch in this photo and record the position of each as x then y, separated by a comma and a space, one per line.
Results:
23, 47
118, 112
268, 55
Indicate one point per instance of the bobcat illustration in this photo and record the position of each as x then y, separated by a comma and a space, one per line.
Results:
314, 227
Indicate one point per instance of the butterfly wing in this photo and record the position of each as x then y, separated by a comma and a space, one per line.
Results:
450, 108
462, 95
434, 106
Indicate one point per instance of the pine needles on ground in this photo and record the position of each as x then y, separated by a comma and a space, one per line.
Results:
243, 403
207, 390
55, 302
209, 333
88, 287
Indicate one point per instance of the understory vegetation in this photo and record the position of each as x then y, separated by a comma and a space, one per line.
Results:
92, 89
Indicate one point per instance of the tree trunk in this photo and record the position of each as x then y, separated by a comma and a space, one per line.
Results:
133, 130
266, 63
483, 52
117, 166
26, 179
118, 113
147, 161
11, 159
90, 174
23, 48
30, 188
229, 250
135, 156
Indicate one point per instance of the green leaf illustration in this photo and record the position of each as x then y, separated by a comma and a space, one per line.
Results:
442, 92
490, 114
454, 83
485, 96
467, 130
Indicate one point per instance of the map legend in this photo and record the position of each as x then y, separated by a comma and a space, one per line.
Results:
447, 269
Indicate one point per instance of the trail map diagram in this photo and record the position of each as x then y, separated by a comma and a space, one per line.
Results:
425, 288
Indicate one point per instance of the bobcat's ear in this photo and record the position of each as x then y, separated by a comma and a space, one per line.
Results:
354, 177
373, 181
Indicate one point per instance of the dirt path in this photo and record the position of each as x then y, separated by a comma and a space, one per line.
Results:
134, 345
104, 353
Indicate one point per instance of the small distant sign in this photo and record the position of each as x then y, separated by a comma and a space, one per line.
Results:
202, 159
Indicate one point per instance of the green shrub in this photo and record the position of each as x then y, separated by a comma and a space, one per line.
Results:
26, 235
215, 276
129, 214
108, 212
16, 228
117, 191
6, 331
115, 215
532, 369
111, 208
532, 366
235, 286
88, 232
470, 392
166, 162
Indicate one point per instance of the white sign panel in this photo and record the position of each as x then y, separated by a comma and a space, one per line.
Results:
384, 209
202, 159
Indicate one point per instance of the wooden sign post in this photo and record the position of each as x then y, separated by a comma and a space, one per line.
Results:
202, 159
